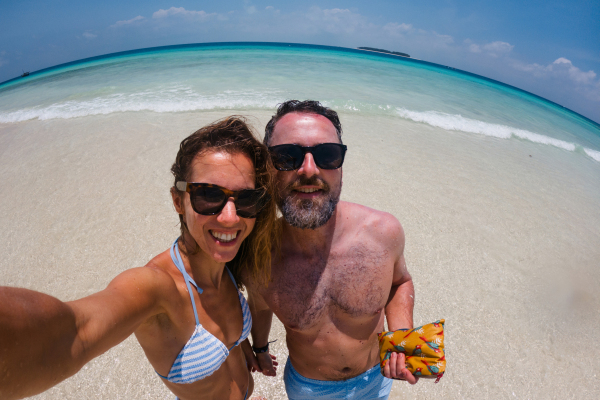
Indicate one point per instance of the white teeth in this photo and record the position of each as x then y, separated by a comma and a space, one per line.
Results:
307, 190
224, 237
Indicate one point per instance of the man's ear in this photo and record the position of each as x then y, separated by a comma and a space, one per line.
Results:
177, 201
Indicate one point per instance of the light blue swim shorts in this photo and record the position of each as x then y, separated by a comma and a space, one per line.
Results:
368, 385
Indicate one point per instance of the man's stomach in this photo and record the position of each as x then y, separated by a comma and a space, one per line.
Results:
332, 355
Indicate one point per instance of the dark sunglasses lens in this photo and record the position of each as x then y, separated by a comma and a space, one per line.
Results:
208, 200
328, 155
287, 157
249, 203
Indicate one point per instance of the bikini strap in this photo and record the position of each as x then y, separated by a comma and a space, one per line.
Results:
176, 257
232, 278
246, 317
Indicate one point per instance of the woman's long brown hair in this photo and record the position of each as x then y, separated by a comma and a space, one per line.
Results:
233, 135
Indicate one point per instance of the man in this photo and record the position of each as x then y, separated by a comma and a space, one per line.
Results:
339, 269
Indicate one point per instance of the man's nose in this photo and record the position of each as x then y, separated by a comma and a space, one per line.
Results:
228, 215
308, 167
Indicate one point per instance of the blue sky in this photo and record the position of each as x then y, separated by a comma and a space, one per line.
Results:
550, 48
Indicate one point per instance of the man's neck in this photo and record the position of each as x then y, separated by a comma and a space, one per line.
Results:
310, 242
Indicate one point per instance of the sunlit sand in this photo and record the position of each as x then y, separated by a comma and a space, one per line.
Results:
502, 241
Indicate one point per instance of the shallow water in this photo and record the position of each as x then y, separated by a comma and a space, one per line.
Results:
502, 231
258, 76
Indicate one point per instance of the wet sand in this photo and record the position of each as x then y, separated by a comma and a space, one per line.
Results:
502, 241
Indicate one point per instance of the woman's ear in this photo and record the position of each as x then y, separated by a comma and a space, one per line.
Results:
177, 201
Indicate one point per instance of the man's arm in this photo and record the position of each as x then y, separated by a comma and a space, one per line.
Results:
399, 309
262, 317
401, 301
44, 341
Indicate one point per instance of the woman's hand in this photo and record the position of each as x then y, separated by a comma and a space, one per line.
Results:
263, 362
251, 361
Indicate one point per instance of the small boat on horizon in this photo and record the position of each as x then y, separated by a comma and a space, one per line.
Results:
25, 73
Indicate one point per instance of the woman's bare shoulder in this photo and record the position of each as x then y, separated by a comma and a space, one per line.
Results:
156, 278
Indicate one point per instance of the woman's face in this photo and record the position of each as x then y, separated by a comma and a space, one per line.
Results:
219, 236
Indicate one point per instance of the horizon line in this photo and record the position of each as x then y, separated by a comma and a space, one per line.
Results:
17, 80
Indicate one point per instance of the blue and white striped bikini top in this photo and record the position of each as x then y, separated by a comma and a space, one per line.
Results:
203, 354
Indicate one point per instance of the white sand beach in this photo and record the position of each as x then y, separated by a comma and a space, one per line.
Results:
502, 240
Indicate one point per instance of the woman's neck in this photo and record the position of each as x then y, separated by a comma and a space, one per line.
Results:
203, 268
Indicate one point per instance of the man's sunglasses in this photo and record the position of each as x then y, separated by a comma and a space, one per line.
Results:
289, 157
208, 199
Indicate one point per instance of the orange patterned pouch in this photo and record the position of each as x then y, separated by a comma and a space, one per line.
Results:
423, 347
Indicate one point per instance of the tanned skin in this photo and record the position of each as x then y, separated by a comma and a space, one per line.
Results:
44, 341
331, 286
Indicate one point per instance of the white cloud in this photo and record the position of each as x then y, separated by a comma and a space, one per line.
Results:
474, 48
180, 11
563, 69
494, 49
336, 21
396, 29
498, 48
137, 19
575, 74
250, 9
443, 39
89, 35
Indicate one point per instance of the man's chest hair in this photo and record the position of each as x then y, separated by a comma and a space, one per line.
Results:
354, 282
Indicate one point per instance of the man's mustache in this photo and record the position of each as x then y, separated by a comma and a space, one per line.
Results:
304, 181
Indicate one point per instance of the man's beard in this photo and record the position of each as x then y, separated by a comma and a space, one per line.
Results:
309, 213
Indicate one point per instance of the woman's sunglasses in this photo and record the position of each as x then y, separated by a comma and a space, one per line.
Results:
289, 157
208, 199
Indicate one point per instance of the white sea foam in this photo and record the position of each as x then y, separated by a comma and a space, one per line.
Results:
166, 100
593, 153
181, 98
453, 122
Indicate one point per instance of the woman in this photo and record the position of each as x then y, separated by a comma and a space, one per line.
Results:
184, 306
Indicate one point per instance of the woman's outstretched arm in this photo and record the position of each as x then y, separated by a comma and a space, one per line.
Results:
44, 340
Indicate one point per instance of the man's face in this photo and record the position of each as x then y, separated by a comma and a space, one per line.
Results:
308, 195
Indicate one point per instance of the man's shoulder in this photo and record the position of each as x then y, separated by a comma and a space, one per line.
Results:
371, 221
359, 216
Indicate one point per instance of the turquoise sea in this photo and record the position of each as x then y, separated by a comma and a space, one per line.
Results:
497, 190
257, 76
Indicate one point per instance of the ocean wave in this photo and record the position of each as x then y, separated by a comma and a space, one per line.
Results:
452, 122
177, 99
593, 153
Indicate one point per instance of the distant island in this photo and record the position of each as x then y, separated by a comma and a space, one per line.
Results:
396, 53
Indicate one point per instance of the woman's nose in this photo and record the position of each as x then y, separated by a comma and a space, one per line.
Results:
228, 214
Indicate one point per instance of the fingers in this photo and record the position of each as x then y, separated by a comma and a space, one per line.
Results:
394, 365
267, 364
410, 378
403, 372
253, 366
251, 361
395, 368
386, 369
